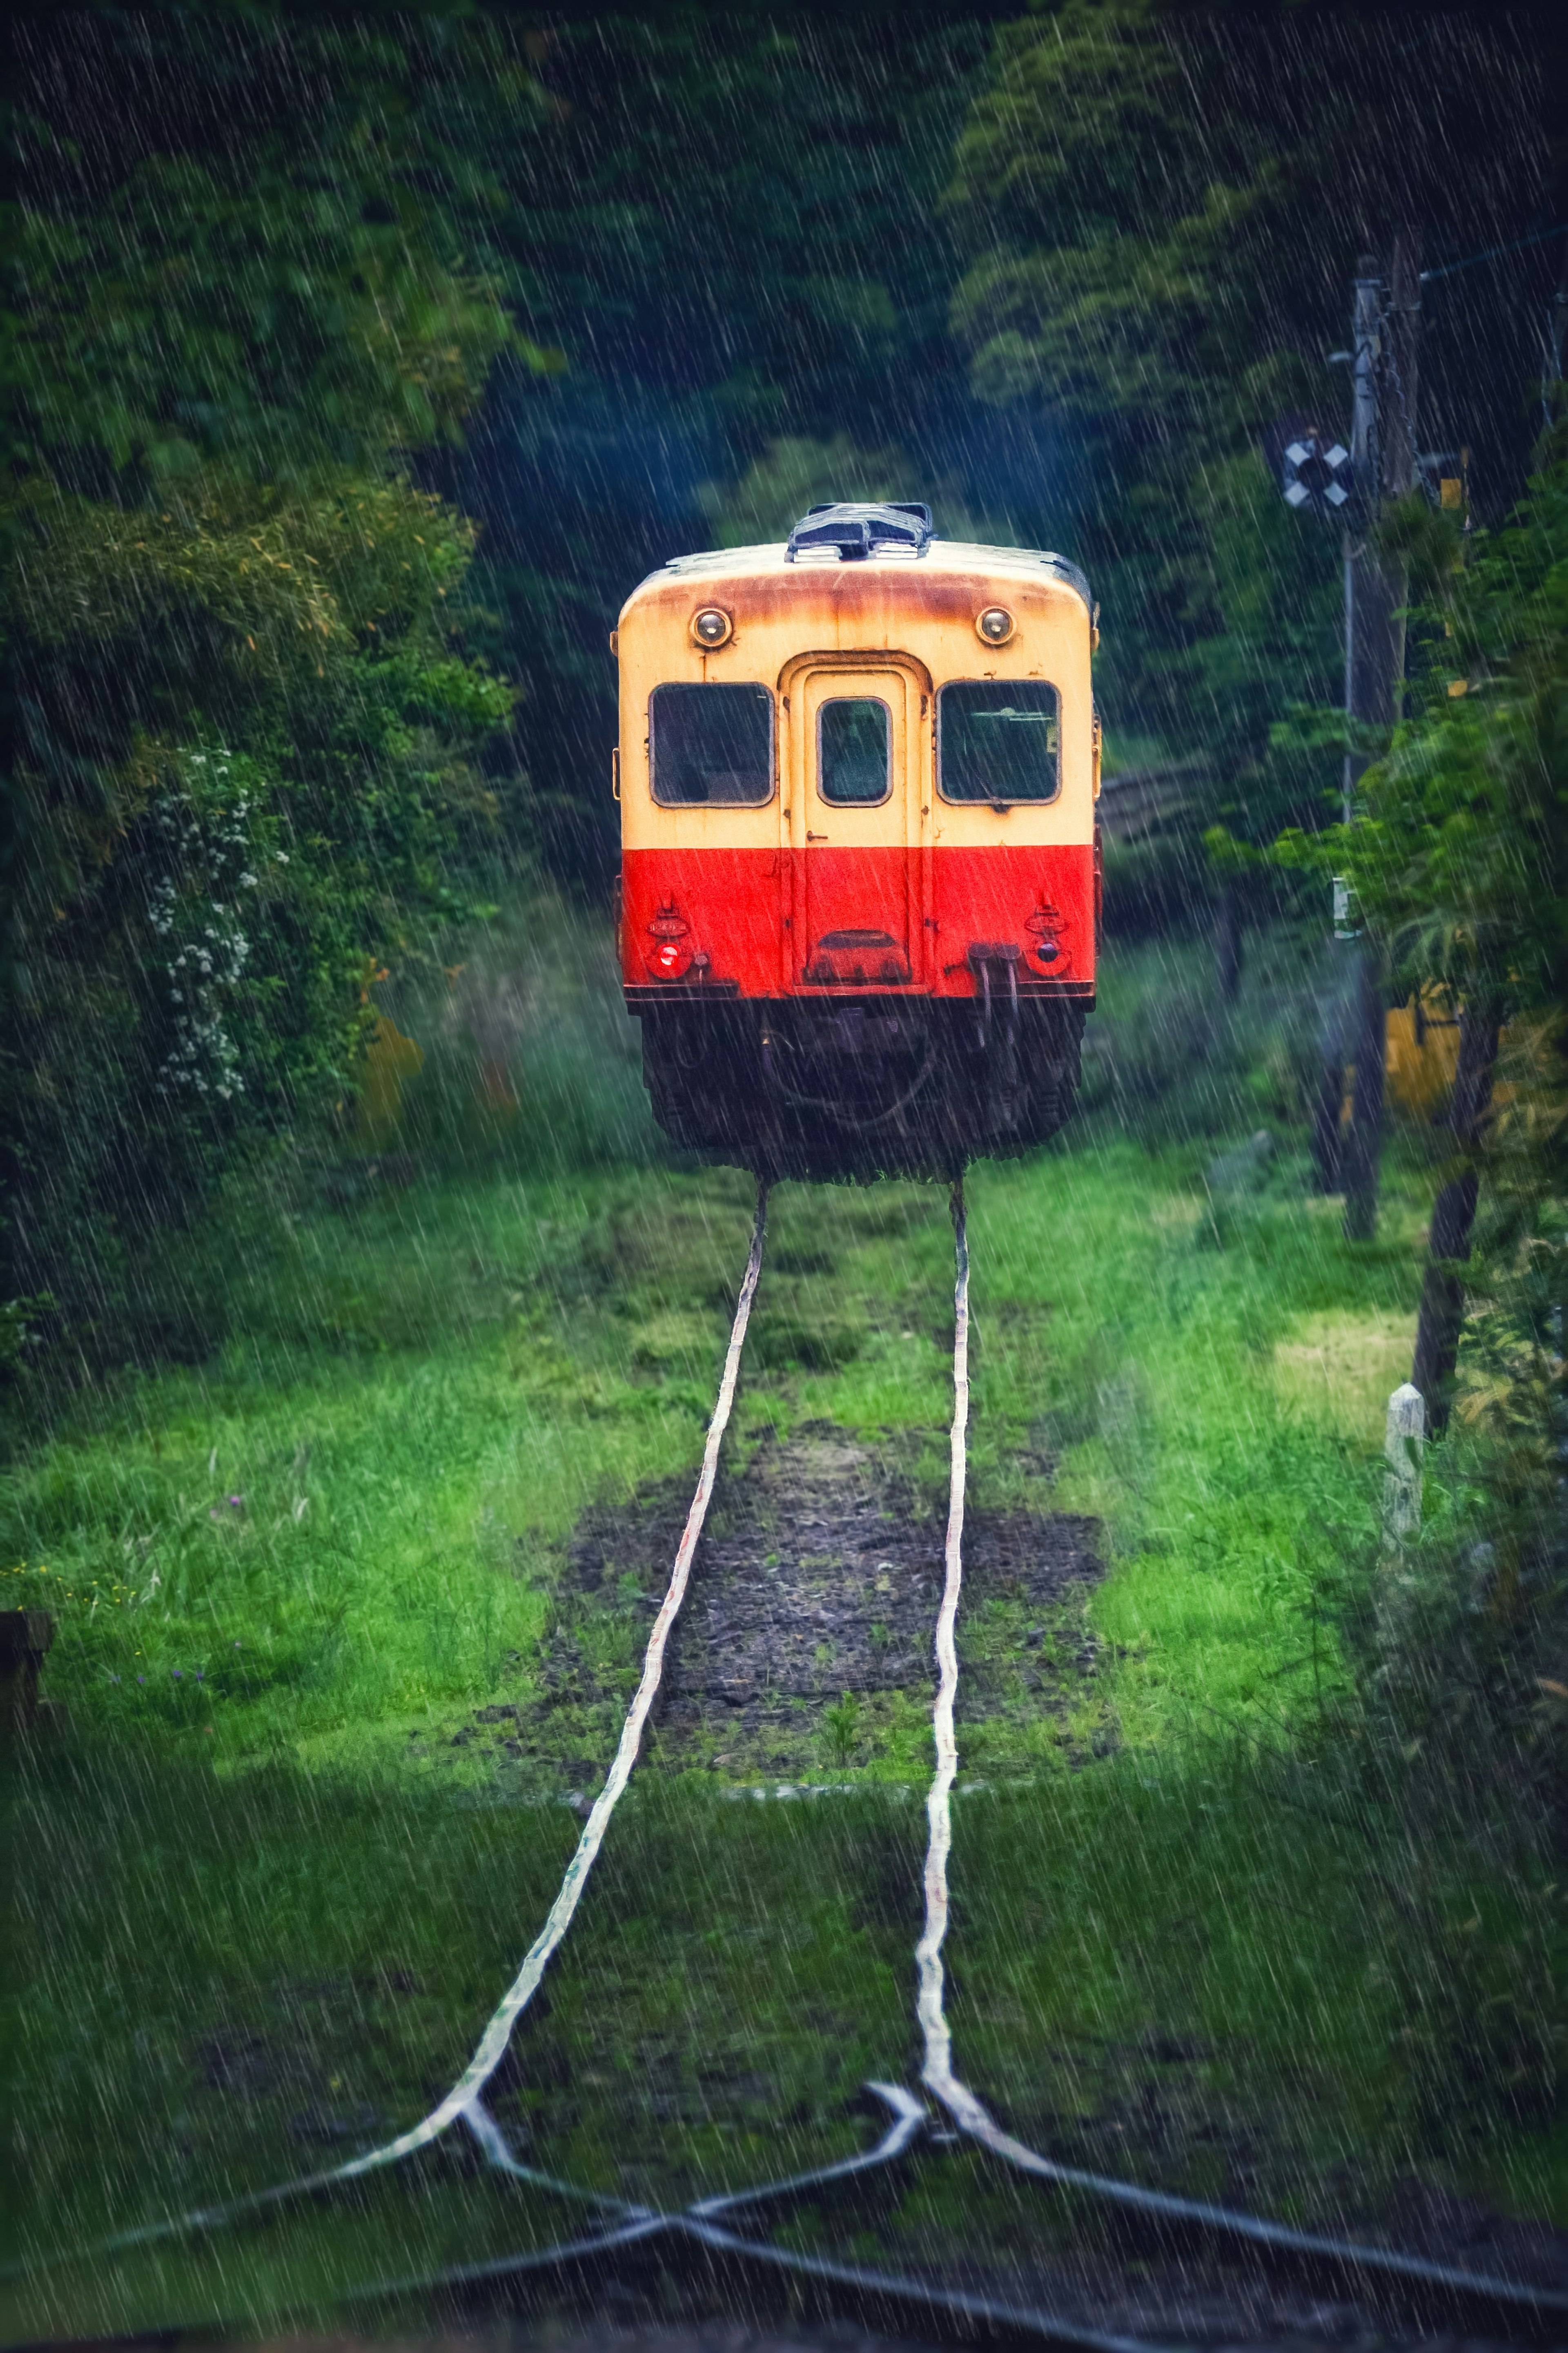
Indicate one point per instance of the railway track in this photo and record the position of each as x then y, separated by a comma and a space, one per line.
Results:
721, 2233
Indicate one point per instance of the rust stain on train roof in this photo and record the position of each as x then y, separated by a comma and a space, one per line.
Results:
821, 601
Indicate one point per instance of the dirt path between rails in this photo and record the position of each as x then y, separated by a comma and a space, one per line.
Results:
806, 1645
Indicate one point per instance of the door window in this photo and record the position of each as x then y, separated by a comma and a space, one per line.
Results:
853, 751
710, 744
998, 740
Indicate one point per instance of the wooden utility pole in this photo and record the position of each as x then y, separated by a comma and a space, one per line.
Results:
1365, 629
1382, 453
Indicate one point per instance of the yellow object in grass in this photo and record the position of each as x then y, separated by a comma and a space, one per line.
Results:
391, 1060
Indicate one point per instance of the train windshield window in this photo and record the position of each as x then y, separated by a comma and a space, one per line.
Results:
998, 740
710, 744
853, 751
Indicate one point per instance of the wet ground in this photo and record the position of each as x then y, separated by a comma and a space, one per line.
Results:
803, 1654
806, 1635
1094, 2294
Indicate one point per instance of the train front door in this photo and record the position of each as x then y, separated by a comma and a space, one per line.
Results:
858, 731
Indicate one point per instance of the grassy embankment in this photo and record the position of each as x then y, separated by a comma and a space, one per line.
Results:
267, 1905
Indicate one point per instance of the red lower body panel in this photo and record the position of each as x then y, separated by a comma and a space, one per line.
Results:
1041, 901
764, 923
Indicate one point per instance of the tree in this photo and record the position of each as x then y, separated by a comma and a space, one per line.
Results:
1153, 268
1458, 859
250, 762
273, 253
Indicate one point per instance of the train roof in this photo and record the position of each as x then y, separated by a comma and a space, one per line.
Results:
947, 555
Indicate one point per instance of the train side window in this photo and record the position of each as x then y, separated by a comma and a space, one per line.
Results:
998, 740
853, 751
711, 745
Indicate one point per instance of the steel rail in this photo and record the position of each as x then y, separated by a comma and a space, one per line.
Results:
464, 2101
627, 2224
628, 2227
1345, 2260
927, 2301
699, 2228
906, 2299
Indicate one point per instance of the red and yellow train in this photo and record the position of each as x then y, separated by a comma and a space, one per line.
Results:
860, 873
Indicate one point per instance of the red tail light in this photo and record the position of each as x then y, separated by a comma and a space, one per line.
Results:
671, 956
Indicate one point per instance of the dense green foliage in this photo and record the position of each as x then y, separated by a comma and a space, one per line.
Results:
248, 773
250, 767
1458, 859
611, 289
274, 249
1460, 852
1141, 196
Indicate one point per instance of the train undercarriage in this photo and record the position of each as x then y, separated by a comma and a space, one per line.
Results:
860, 1086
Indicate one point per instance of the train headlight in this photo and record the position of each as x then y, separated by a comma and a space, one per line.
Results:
711, 627
995, 625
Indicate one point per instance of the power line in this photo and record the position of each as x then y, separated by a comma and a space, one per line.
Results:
1541, 237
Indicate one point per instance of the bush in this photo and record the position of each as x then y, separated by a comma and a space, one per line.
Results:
250, 775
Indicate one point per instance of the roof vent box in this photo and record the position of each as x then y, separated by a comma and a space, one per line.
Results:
853, 531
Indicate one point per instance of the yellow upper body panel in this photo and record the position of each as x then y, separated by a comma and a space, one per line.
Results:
909, 617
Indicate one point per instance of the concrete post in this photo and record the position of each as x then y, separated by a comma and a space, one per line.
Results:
1405, 1439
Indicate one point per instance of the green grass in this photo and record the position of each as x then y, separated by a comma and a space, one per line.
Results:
341, 1526
269, 1845
738, 1971
347, 1526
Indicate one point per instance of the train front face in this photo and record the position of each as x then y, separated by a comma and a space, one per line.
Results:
859, 866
